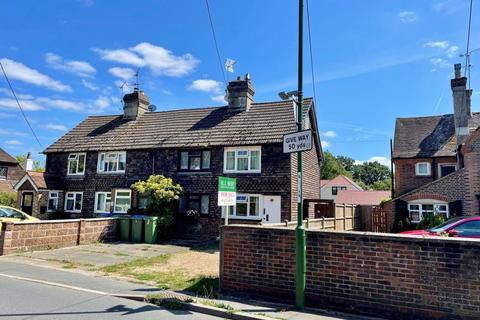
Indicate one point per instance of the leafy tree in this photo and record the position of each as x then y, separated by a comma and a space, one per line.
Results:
162, 193
346, 162
371, 172
8, 199
382, 185
37, 166
331, 167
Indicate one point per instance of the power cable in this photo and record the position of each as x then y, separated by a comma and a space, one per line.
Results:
467, 55
311, 54
216, 43
20, 106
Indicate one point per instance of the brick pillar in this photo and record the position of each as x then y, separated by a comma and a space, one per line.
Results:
472, 166
81, 232
6, 230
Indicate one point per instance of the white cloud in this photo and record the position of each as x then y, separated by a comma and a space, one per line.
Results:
89, 85
19, 71
102, 102
448, 6
452, 51
329, 134
80, 68
382, 160
407, 16
206, 85
56, 127
13, 143
11, 132
158, 60
27, 105
437, 44
325, 144
220, 98
122, 73
439, 63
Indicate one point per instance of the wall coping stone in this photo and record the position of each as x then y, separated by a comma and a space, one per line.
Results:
60, 221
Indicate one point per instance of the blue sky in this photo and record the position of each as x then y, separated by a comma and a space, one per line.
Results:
374, 61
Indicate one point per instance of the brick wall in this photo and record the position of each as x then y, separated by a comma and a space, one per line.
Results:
405, 178
392, 276
42, 235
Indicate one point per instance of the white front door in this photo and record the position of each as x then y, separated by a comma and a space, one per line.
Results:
271, 209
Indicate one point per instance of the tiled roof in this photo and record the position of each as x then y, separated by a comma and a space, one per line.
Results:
41, 180
5, 157
432, 136
340, 180
362, 197
263, 123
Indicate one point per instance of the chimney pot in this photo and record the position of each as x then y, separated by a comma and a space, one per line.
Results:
239, 78
458, 70
29, 162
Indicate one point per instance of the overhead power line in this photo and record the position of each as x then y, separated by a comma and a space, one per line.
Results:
467, 54
216, 43
311, 55
20, 106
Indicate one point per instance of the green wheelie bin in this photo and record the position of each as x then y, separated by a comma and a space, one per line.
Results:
125, 228
137, 228
151, 229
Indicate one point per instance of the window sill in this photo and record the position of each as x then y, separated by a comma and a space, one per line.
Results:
242, 172
76, 175
243, 218
73, 211
111, 173
194, 172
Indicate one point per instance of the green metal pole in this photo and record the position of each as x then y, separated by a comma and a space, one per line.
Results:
301, 264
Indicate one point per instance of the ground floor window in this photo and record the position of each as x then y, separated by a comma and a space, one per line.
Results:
198, 202
52, 204
103, 202
247, 207
73, 201
419, 210
122, 201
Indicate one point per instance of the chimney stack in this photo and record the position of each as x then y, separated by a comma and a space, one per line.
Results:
135, 105
461, 105
240, 94
29, 162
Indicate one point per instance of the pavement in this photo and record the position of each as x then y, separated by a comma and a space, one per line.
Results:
31, 291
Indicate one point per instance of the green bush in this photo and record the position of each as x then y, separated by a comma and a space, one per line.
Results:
8, 199
431, 220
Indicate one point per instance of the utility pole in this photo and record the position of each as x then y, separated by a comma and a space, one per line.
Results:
301, 264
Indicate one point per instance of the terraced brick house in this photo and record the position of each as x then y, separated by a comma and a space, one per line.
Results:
90, 169
437, 160
10, 171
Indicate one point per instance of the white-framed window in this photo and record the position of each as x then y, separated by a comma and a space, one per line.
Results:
103, 202
76, 164
112, 162
242, 159
195, 160
248, 207
73, 201
446, 168
52, 204
422, 169
418, 210
123, 200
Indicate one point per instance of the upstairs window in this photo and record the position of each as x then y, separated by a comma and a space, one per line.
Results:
3, 173
195, 160
446, 168
242, 159
335, 189
422, 169
52, 204
73, 201
76, 163
112, 162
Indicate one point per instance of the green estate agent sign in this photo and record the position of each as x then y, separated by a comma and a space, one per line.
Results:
227, 191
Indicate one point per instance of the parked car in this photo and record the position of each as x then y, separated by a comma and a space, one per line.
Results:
9, 214
465, 227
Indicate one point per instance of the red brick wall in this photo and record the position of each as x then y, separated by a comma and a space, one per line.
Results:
405, 178
392, 276
42, 235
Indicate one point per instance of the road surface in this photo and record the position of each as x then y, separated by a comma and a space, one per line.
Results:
27, 300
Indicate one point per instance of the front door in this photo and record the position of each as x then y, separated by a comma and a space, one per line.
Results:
27, 202
271, 209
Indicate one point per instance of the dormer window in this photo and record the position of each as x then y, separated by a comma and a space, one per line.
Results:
422, 169
112, 162
76, 164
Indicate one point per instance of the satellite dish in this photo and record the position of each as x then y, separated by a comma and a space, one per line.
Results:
152, 108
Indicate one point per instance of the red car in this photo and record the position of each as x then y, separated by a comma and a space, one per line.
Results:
465, 227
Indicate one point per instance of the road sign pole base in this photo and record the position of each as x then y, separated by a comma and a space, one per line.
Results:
301, 266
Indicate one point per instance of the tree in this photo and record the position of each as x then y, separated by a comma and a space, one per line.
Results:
162, 192
382, 185
331, 167
8, 199
371, 172
37, 167
346, 162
